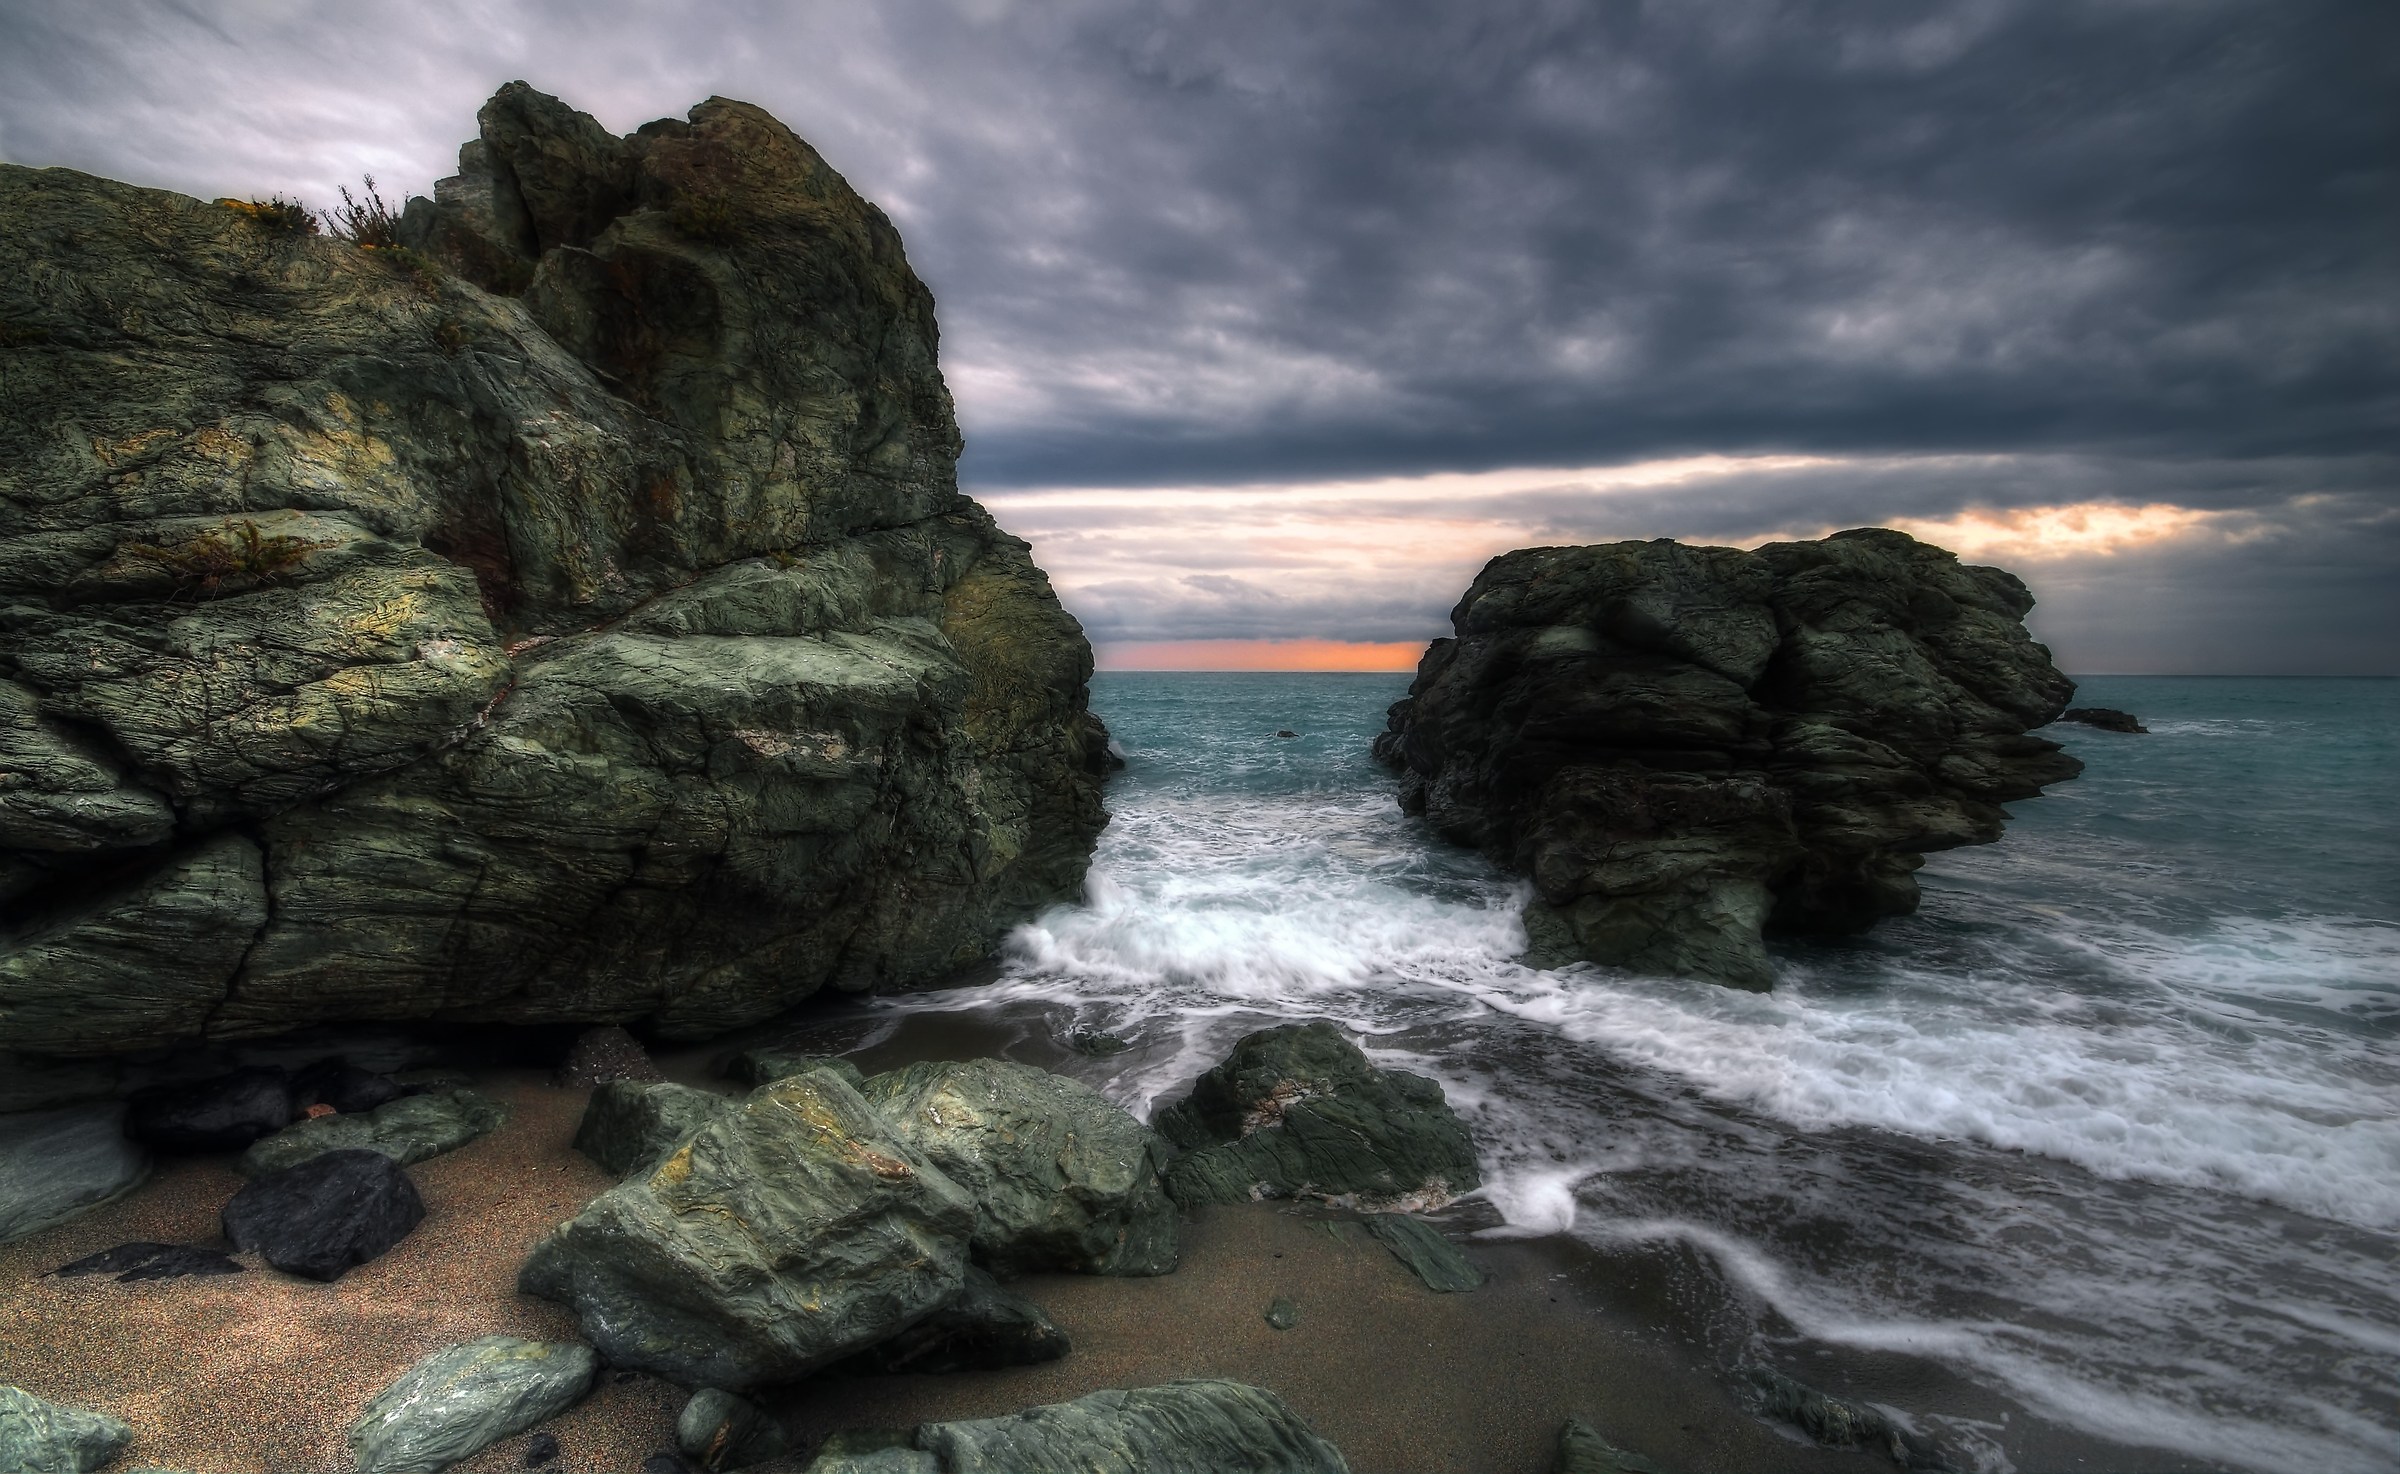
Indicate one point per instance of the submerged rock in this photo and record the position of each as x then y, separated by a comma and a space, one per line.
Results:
462, 1399
224, 1113
327, 1215
984, 1327
1181, 1425
628, 1126
409, 1129
1296, 1111
1839, 1423
2106, 718
1062, 1177
1429, 1255
792, 1232
718, 1430
1581, 1450
38, 1437
1685, 747
573, 618
56, 1164
142, 1260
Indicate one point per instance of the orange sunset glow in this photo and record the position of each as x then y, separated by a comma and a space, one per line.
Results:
1323, 655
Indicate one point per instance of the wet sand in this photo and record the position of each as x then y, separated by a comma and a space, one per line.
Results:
263, 1372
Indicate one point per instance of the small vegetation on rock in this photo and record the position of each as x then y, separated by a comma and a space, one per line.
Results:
369, 222
275, 215
203, 563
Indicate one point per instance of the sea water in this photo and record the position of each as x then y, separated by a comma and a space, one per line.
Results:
2108, 1132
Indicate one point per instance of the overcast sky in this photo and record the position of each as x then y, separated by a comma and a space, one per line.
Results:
1268, 322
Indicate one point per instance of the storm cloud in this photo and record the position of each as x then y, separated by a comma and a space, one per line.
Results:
1941, 266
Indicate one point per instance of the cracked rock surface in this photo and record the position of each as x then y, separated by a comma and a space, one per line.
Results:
572, 616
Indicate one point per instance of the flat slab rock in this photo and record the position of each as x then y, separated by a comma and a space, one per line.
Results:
142, 1260
56, 1164
1297, 1111
38, 1437
1194, 1425
463, 1399
223, 1113
327, 1215
1427, 1252
409, 1129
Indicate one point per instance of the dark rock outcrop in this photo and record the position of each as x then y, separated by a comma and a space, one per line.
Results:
1063, 1178
1296, 1111
462, 1399
224, 1113
790, 1233
344, 1086
718, 1430
572, 617
628, 1126
1686, 746
38, 1437
2106, 718
327, 1215
409, 1129
56, 1164
985, 1327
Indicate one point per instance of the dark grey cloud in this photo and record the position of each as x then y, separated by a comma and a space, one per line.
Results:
2125, 250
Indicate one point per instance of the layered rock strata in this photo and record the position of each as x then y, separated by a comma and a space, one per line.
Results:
571, 615
1685, 747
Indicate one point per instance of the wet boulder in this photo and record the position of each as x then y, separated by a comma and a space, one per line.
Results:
1297, 1111
1427, 1252
463, 1399
1181, 1425
56, 1164
224, 1113
796, 1230
985, 1327
325, 1216
409, 1129
38, 1437
1581, 1450
628, 1125
1838, 1422
718, 1430
1063, 1178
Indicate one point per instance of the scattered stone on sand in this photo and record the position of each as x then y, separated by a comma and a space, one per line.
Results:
1581, 1450
985, 1327
718, 1430
630, 1124
1063, 1178
38, 1437
55, 1164
1181, 1425
1297, 1111
540, 1449
134, 1262
1686, 747
224, 1113
408, 1129
796, 1230
463, 1399
1283, 1313
1426, 1250
344, 1086
2106, 718
607, 1053
1839, 1423
327, 1215
756, 1067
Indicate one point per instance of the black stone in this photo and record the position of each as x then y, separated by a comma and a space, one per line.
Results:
666, 1463
2106, 718
142, 1260
221, 1114
540, 1449
326, 1216
344, 1086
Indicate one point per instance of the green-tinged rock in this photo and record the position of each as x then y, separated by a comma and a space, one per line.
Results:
1283, 1313
1685, 748
1840, 1423
1581, 1450
756, 1067
792, 1232
1063, 1179
56, 1164
463, 1399
38, 1437
873, 1451
1198, 1425
628, 1125
1427, 1252
986, 1326
573, 617
409, 1129
1296, 1111
718, 1430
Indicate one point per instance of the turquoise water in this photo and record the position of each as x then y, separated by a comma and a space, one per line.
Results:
2107, 1136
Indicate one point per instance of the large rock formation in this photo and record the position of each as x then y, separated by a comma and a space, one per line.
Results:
573, 615
1687, 746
